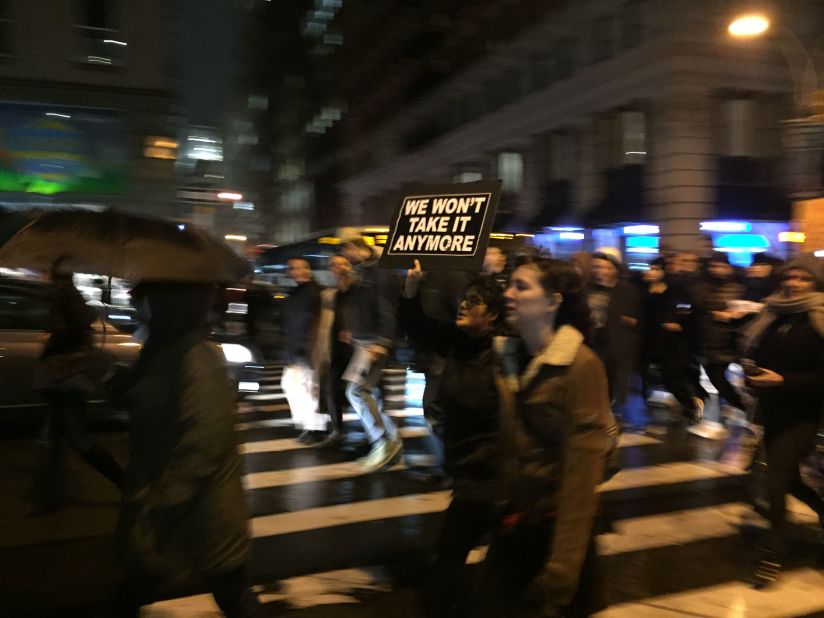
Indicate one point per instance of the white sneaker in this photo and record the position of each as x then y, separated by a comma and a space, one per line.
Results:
709, 430
382, 453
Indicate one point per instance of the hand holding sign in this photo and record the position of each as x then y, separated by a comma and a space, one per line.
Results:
413, 280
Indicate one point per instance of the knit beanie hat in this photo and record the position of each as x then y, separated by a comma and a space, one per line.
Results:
810, 263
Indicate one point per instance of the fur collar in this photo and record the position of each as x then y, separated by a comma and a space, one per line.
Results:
561, 351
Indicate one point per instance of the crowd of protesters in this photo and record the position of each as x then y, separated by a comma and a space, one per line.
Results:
529, 364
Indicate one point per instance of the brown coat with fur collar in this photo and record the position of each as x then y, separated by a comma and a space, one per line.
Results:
555, 419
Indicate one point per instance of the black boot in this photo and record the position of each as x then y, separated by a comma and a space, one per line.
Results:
101, 460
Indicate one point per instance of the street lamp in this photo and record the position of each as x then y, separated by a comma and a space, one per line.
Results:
748, 26
804, 134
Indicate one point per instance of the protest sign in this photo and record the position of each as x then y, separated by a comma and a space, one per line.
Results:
446, 227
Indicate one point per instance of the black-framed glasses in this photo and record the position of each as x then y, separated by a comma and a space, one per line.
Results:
473, 300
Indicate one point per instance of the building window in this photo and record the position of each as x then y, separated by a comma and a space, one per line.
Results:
633, 126
511, 171
100, 40
258, 102
6, 25
739, 128
468, 177
564, 59
562, 156
603, 44
157, 147
632, 24
540, 71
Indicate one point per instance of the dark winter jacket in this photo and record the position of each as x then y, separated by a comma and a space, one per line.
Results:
718, 337
371, 304
70, 320
300, 320
791, 347
617, 342
184, 510
660, 308
467, 395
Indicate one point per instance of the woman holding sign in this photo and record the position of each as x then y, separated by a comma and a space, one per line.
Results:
555, 425
468, 396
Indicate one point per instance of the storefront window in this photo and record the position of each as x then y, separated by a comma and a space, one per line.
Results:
511, 170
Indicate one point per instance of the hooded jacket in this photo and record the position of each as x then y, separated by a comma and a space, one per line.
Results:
184, 510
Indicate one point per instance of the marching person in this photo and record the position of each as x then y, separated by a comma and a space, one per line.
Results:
617, 313
334, 349
468, 398
665, 340
717, 324
371, 320
786, 345
66, 375
183, 510
300, 381
555, 421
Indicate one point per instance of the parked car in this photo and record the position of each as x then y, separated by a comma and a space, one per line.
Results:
24, 315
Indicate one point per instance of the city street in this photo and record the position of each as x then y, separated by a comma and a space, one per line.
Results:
330, 542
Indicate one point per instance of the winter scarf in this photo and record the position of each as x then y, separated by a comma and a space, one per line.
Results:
776, 305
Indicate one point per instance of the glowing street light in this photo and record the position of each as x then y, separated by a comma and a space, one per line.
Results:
749, 26
230, 196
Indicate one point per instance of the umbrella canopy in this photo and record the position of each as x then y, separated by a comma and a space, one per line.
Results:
121, 245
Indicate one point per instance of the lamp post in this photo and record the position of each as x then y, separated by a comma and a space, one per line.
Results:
804, 134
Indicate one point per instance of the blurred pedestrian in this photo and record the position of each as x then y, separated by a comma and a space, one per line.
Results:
786, 345
184, 510
468, 396
718, 323
665, 344
440, 294
334, 349
371, 318
496, 265
300, 380
555, 419
580, 260
67, 372
761, 278
617, 315
259, 315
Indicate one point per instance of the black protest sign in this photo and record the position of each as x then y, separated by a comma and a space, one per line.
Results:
446, 227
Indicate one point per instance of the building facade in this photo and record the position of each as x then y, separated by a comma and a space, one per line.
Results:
599, 111
86, 110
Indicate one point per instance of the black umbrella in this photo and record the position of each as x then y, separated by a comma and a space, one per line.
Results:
122, 245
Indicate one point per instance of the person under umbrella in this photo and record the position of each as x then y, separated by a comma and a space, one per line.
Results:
184, 510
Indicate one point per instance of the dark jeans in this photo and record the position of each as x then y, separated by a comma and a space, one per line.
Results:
516, 558
231, 592
334, 386
67, 421
717, 373
677, 380
465, 524
785, 448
